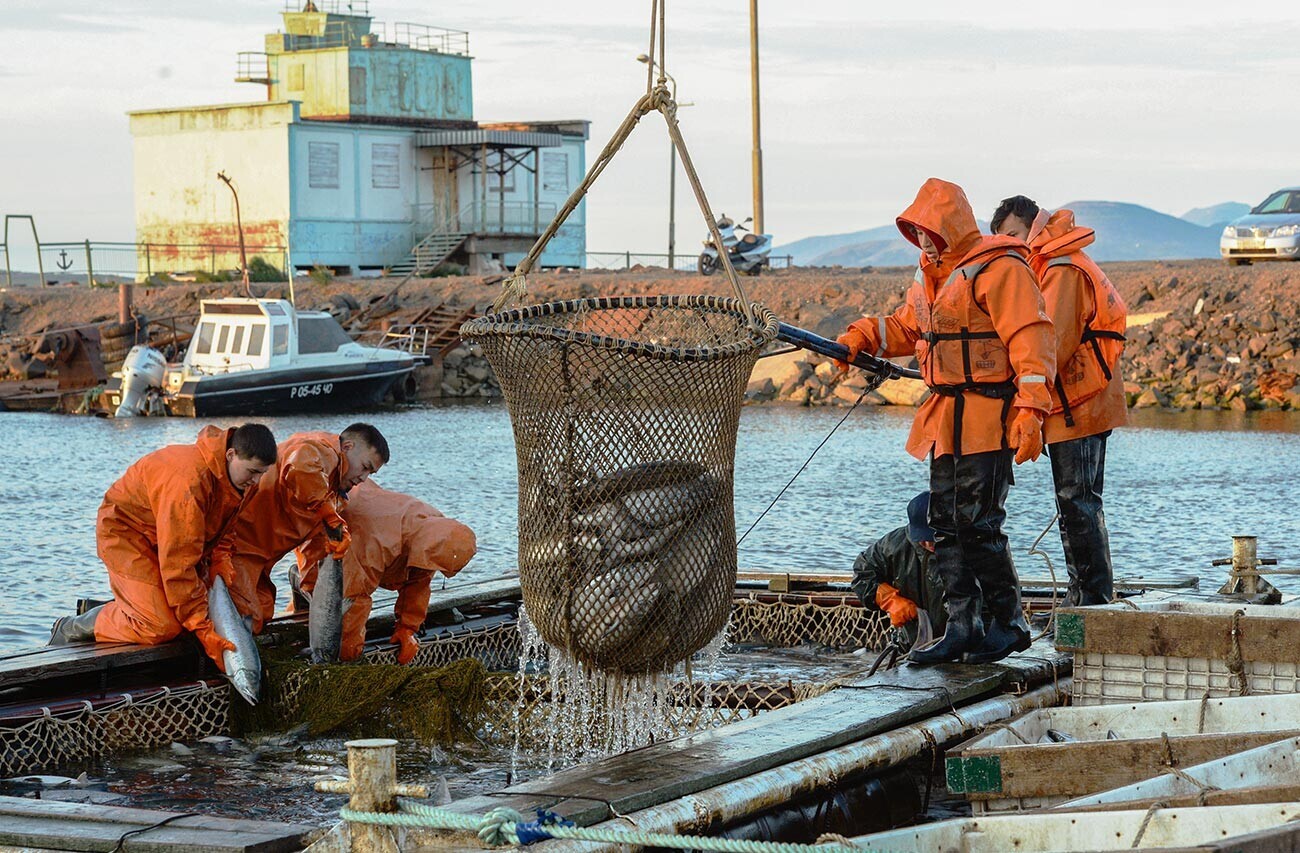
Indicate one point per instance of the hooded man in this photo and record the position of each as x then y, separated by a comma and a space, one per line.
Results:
1088, 394
896, 574
398, 542
297, 499
974, 319
161, 531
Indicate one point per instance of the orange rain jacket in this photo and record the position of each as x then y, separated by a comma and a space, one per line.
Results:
398, 542
983, 289
157, 529
1088, 314
284, 513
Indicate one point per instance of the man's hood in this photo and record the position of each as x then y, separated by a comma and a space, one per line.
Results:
213, 442
942, 210
1061, 236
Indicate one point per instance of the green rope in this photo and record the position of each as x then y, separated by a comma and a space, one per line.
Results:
497, 829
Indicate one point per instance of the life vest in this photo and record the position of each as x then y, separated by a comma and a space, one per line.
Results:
959, 350
1089, 369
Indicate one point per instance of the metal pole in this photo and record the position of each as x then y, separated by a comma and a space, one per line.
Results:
758, 145
239, 227
124, 294
672, 204
148, 263
90, 269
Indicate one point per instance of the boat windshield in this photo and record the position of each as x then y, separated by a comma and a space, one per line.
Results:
320, 334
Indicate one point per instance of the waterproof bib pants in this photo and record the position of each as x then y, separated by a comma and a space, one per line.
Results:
1079, 472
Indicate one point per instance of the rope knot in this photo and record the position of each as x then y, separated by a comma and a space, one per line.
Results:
497, 826
535, 830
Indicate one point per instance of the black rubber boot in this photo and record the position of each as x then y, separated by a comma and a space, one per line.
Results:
75, 629
1001, 640
964, 633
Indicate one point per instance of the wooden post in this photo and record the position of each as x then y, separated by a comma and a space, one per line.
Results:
90, 269
372, 773
124, 293
1245, 563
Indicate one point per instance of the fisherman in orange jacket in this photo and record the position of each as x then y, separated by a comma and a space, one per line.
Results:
974, 319
297, 499
398, 542
1088, 394
157, 531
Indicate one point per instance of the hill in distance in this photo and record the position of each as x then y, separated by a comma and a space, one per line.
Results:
1125, 232
1216, 215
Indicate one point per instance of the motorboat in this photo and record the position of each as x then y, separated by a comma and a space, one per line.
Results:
260, 356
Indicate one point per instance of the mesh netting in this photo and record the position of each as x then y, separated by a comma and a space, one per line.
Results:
625, 413
839, 622
54, 738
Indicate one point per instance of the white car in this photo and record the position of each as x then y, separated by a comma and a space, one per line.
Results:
1270, 232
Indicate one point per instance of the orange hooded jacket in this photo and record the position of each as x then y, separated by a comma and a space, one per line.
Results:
284, 513
157, 528
398, 542
1073, 286
1000, 307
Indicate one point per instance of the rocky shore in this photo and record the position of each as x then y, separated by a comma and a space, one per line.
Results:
1202, 335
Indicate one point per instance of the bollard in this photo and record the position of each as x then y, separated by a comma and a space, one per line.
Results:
372, 784
1245, 563
125, 291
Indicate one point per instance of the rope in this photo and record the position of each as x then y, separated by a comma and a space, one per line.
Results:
870, 387
1051, 569
121, 841
504, 826
1146, 820
1004, 727
1200, 722
1236, 662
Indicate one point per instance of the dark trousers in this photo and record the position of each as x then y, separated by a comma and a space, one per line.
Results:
1079, 470
968, 498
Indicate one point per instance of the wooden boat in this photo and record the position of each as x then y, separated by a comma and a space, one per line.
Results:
1108, 746
1265, 774
1214, 829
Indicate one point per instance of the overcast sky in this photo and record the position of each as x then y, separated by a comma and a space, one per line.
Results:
1168, 104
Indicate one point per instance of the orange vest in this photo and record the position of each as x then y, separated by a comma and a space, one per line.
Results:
959, 350
1088, 370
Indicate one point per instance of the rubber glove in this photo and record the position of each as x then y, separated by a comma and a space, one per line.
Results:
337, 536
1026, 435
407, 645
213, 643
856, 341
353, 645
222, 566
901, 610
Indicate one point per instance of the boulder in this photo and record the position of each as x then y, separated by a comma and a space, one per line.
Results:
903, 392
1151, 398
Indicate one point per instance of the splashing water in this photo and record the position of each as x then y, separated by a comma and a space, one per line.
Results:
592, 714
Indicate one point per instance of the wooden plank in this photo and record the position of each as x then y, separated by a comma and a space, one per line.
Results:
78, 826
1085, 767
1133, 583
666, 771
1174, 633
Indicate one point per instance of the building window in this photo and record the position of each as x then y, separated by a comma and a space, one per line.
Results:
555, 172
323, 165
384, 161
357, 86
498, 183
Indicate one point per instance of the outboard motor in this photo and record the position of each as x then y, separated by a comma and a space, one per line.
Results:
144, 368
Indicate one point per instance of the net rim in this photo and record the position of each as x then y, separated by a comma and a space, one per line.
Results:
513, 323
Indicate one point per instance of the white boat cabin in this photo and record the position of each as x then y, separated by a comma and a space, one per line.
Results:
258, 334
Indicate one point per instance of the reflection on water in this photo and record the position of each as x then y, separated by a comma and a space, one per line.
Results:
1178, 486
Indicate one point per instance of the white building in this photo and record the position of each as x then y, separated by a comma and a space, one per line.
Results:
364, 156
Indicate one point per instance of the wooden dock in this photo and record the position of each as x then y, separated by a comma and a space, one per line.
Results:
53, 825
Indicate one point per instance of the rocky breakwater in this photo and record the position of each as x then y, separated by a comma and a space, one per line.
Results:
1216, 354
806, 379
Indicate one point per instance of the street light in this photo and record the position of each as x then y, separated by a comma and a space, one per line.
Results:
672, 169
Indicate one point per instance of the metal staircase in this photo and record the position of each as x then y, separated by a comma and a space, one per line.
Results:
427, 254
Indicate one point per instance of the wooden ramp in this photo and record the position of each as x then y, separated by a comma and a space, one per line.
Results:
53, 825
857, 709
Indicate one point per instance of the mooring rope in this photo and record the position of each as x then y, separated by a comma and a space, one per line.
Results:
504, 826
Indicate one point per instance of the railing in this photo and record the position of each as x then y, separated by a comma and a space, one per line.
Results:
97, 262
333, 7
251, 67
511, 217
681, 260
380, 35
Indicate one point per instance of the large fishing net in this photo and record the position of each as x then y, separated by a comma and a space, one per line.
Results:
625, 413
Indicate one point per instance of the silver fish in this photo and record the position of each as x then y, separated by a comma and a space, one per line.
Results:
325, 619
613, 607
666, 505
244, 664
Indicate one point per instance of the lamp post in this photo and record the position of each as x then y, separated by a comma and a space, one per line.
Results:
672, 171
758, 146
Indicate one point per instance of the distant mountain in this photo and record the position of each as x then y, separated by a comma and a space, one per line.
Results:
1125, 232
1217, 215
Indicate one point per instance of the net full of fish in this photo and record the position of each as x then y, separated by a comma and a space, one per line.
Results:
243, 665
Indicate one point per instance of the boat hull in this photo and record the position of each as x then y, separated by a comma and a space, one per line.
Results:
335, 388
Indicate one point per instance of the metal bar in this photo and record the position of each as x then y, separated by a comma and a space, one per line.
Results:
90, 268
758, 144
833, 349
